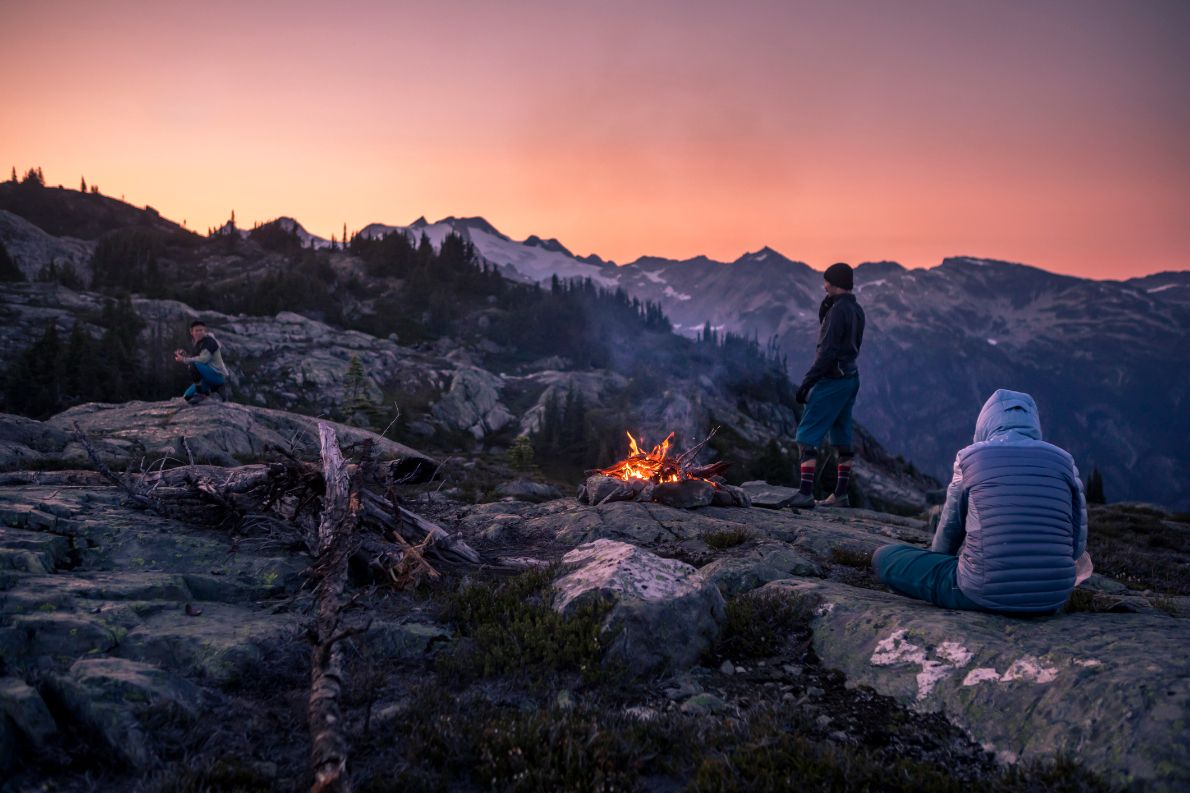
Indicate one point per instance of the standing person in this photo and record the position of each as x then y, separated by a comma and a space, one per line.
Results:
1013, 531
208, 373
829, 387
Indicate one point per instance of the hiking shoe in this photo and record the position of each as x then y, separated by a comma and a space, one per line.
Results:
197, 399
804, 500
835, 501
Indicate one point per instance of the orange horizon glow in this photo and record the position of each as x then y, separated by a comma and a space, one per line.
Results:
1056, 136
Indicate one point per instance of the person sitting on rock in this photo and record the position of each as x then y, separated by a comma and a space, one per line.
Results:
1013, 525
830, 386
208, 373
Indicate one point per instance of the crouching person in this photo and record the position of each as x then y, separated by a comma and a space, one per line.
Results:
208, 373
1013, 525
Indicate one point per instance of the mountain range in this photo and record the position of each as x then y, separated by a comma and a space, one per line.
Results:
1105, 360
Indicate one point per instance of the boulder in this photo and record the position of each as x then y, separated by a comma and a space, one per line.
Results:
33, 249
473, 403
1111, 690
664, 614
223, 433
108, 696
686, 494
594, 387
600, 489
726, 495
767, 561
223, 644
769, 496
24, 708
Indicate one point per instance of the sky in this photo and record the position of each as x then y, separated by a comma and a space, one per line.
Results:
1055, 134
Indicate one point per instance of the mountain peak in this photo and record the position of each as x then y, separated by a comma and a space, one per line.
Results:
476, 223
550, 244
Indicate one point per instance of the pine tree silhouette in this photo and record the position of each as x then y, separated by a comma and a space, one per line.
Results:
8, 268
1095, 494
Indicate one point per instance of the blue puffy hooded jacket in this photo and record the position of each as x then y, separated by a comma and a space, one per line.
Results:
1015, 512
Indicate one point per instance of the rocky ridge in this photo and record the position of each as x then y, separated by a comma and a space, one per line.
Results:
122, 631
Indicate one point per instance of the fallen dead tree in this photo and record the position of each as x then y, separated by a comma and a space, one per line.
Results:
337, 530
284, 501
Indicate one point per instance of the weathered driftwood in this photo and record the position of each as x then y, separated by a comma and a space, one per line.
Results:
336, 540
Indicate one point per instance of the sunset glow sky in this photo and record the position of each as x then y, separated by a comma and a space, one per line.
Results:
1053, 133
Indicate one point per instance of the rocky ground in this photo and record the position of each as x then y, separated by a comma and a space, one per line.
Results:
642, 647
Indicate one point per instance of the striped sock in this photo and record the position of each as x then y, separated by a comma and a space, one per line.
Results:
808, 467
844, 477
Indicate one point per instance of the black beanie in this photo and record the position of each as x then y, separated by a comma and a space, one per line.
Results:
840, 275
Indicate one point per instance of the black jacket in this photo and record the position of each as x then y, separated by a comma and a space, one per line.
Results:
840, 334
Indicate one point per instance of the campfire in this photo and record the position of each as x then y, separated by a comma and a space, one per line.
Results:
658, 467
657, 476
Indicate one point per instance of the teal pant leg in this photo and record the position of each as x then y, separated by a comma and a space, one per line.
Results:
923, 575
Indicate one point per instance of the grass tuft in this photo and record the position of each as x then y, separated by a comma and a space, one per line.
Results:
727, 538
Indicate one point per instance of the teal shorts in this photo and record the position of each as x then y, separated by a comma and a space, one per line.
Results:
828, 412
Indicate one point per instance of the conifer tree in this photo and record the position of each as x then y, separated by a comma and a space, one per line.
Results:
82, 184
520, 456
32, 385
13, 178
9, 271
1095, 494
355, 392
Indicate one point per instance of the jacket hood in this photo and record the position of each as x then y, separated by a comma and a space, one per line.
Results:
1008, 415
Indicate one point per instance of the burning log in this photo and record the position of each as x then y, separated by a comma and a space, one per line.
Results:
657, 477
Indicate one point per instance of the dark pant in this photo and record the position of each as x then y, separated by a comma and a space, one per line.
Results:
205, 380
828, 411
922, 574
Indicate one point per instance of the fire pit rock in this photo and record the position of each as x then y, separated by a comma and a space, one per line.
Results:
685, 494
664, 614
769, 496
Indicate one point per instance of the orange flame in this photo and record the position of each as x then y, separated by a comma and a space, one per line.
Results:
654, 466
